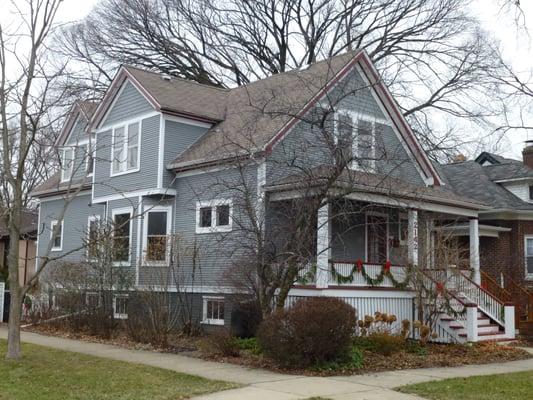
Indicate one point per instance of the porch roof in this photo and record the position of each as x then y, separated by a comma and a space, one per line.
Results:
353, 182
464, 230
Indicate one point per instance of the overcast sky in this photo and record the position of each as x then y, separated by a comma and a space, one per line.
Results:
517, 46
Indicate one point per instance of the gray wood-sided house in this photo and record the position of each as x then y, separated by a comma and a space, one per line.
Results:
166, 157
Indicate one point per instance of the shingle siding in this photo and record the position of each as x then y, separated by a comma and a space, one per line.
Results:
129, 104
145, 178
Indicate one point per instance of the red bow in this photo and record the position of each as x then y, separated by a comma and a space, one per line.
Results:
359, 264
387, 266
440, 287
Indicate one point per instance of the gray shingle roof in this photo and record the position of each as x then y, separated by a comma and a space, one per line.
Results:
53, 185
477, 182
28, 225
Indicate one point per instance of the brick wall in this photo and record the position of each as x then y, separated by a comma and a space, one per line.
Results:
506, 253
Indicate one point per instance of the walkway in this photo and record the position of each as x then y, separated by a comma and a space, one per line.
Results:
263, 385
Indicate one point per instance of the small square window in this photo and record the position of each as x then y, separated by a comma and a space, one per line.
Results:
92, 300
223, 215
213, 312
120, 306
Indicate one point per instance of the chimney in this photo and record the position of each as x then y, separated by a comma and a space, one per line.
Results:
527, 154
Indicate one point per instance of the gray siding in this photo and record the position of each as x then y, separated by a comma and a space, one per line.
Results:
74, 226
145, 178
305, 145
77, 133
178, 137
217, 252
128, 105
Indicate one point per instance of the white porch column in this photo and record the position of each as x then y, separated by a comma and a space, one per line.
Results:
474, 249
509, 315
323, 247
412, 237
471, 323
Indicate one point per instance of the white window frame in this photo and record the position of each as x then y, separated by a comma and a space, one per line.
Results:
356, 117
528, 276
89, 294
115, 314
70, 170
168, 210
213, 204
118, 211
212, 321
91, 153
52, 226
125, 125
90, 219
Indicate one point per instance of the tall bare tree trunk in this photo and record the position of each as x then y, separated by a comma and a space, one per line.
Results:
15, 305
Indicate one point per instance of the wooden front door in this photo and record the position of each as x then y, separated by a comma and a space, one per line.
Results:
376, 233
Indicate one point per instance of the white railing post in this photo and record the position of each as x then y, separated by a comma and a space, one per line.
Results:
474, 249
508, 315
471, 322
323, 248
412, 236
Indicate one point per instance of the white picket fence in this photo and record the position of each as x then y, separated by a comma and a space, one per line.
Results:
2, 292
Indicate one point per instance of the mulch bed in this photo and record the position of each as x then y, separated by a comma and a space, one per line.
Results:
434, 355
438, 355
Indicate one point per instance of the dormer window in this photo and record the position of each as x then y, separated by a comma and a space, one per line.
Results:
67, 163
355, 138
125, 155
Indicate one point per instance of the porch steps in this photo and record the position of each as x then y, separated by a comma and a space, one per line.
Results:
488, 330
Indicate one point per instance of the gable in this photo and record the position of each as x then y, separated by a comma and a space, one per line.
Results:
78, 132
127, 104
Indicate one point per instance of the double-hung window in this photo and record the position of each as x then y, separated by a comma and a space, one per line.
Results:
120, 306
157, 230
121, 236
355, 140
213, 310
528, 256
214, 216
56, 236
125, 157
67, 163
93, 237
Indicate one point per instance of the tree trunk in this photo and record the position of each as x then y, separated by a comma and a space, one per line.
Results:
15, 312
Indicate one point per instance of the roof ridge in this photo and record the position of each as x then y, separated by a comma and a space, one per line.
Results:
127, 66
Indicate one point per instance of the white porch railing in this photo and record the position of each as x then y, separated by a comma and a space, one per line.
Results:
346, 273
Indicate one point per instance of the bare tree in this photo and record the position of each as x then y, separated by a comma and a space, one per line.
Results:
432, 54
27, 100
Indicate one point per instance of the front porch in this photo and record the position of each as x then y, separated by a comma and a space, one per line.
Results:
365, 252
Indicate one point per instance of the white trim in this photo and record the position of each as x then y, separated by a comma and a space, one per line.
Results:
37, 257
70, 171
187, 121
161, 153
92, 293
136, 193
200, 171
140, 207
146, 216
525, 178
53, 223
119, 211
125, 121
125, 146
213, 204
85, 192
357, 293
212, 321
528, 276
91, 218
115, 314
191, 289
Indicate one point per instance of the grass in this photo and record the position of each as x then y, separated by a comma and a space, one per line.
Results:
512, 386
49, 374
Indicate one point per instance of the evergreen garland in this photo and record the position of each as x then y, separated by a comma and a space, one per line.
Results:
378, 280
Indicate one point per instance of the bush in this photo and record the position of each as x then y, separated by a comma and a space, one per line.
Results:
249, 344
352, 361
220, 343
245, 319
381, 342
314, 330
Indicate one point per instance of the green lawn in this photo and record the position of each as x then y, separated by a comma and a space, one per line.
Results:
48, 374
515, 386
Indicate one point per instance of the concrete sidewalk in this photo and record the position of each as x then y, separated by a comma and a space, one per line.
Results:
266, 385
